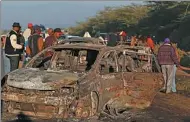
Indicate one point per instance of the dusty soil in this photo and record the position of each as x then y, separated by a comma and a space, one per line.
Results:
173, 107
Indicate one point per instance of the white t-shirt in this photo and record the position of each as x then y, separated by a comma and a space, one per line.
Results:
26, 34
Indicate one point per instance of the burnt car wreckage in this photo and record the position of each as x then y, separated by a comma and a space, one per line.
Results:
81, 80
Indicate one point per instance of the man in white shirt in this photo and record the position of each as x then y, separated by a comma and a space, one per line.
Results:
13, 47
28, 31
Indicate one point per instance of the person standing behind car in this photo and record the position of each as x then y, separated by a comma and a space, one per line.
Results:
150, 43
52, 39
35, 43
167, 58
22, 42
50, 32
13, 46
28, 31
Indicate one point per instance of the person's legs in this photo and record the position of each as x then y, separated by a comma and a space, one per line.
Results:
7, 64
14, 62
164, 72
174, 83
170, 74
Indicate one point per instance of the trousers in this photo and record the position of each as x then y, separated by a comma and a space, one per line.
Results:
168, 74
174, 81
14, 62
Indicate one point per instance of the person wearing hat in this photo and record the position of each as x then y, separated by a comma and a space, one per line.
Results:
28, 31
53, 39
13, 46
35, 43
167, 58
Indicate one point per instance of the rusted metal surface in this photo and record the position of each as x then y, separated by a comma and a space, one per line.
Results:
40, 80
89, 40
83, 80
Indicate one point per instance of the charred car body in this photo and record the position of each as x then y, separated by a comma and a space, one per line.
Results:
81, 80
88, 40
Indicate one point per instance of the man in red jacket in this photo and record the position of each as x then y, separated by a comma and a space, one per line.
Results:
123, 35
150, 42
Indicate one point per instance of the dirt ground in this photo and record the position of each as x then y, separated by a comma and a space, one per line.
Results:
173, 107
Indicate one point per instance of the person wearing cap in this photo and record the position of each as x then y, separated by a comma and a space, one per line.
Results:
28, 31
35, 43
13, 47
53, 39
167, 58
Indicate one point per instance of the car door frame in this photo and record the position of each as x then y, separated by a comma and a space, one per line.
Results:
102, 77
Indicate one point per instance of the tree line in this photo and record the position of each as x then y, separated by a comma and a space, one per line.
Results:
159, 18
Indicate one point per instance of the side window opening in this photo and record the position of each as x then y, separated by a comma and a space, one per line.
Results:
108, 63
126, 62
43, 60
79, 60
136, 62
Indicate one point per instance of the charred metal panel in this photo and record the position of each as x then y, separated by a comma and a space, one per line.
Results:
40, 80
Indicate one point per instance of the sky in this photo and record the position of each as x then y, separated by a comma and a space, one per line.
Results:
52, 13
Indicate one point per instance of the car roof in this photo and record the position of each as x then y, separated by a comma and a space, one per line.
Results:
96, 47
80, 45
82, 40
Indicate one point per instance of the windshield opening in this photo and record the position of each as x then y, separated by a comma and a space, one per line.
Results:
76, 60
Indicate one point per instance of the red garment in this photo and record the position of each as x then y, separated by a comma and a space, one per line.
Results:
30, 25
123, 33
150, 43
50, 41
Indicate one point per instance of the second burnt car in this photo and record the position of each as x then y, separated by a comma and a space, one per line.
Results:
81, 80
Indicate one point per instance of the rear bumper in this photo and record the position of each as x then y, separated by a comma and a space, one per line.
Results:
47, 100
38, 106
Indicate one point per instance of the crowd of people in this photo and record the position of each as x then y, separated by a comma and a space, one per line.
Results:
139, 40
20, 46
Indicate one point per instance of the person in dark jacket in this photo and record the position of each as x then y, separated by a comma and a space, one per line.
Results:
35, 43
112, 41
22, 42
13, 47
167, 58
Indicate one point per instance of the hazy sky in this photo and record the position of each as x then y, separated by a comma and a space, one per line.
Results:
52, 13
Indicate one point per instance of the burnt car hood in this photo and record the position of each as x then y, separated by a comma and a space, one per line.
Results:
33, 78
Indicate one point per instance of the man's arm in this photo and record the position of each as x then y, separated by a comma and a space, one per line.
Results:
185, 68
13, 39
174, 57
40, 44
